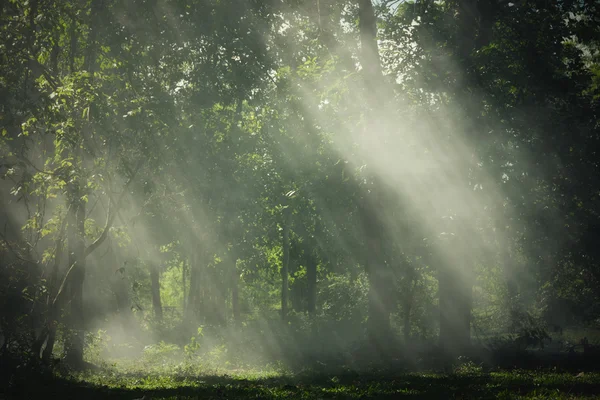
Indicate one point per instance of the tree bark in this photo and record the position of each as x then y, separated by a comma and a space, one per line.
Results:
184, 285
455, 290
407, 308
52, 321
379, 328
474, 23
311, 277
406, 327
49, 349
76, 338
48, 334
78, 251
189, 311
235, 302
286, 262
502, 232
155, 287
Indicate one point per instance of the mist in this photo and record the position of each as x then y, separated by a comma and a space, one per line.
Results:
234, 187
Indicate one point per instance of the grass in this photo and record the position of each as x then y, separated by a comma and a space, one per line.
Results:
125, 381
167, 371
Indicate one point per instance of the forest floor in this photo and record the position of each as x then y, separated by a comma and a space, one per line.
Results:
466, 382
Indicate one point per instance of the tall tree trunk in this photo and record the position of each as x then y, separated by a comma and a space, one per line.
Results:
379, 280
502, 232
189, 311
53, 309
155, 287
78, 253
48, 333
379, 328
76, 338
311, 277
296, 293
455, 290
120, 288
406, 326
235, 301
50, 342
184, 285
407, 306
287, 212
474, 22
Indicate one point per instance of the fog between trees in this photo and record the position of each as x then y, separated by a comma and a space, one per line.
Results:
319, 181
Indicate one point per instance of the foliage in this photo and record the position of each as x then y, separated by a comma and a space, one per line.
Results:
307, 184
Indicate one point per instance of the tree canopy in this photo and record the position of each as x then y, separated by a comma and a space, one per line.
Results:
297, 178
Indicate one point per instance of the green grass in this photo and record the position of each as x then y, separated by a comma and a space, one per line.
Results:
170, 381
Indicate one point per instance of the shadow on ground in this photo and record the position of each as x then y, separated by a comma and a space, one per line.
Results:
344, 386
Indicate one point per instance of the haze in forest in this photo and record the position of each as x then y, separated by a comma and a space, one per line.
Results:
319, 182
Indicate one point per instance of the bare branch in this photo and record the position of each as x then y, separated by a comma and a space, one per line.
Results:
62, 285
112, 213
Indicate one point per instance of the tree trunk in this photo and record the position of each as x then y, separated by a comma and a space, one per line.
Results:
49, 349
155, 287
502, 232
455, 290
311, 277
184, 284
407, 309
48, 334
76, 338
456, 281
409, 299
379, 328
189, 311
235, 302
406, 327
78, 252
286, 262
369, 57
53, 309
120, 288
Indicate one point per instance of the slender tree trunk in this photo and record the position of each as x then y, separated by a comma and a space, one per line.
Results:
49, 349
48, 333
455, 290
379, 328
184, 285
406, 326
189, 311
155, 287
235, 301
202, 303
296, 292
120, 288
53, 308
286, 262
76, 338
502, 232
407, 309
311, 277
409, 299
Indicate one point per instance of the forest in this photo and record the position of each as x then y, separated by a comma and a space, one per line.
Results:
299, 199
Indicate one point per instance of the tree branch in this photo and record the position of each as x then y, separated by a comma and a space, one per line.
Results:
110, 217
